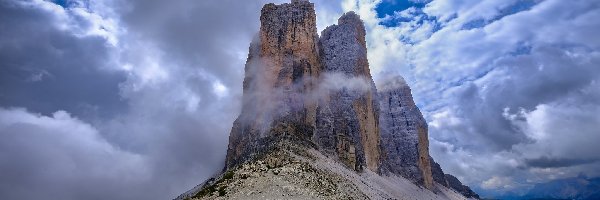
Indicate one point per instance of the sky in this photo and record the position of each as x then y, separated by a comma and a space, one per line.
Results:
108, 99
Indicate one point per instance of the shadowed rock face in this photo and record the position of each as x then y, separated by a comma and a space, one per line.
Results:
450, 181
455, 184
405, 143
437, 173
347, 119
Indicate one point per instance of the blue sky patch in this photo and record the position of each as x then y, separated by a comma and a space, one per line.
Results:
390, 7
62, 3
519, 6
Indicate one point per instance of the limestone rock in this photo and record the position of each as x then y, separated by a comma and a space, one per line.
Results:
347, 119
404, 136
279, 70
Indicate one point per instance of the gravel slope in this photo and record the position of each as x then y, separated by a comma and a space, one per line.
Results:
297, 173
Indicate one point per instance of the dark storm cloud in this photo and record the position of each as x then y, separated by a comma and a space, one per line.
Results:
45, 68
547, 162
515, 117
171, 77
168, 72
197, 34
60, 157
546, 75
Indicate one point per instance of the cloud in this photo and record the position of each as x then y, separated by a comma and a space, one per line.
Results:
61, 157
498, 183
502, 99
52, 57
545, 162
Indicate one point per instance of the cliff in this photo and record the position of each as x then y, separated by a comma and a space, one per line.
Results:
279, 70
404, 136
347, 122
288, 88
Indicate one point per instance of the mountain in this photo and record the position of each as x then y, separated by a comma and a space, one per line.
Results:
313, 124
403, 133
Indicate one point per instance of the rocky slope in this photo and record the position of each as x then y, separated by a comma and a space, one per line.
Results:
313, 124
291, 171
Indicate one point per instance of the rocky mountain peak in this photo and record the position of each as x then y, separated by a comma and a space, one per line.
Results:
347, 124
404, 135
313, 116
353, 19
279, 72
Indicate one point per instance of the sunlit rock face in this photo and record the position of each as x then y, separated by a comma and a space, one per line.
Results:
291, 88
282, 62
404, 138
347, 119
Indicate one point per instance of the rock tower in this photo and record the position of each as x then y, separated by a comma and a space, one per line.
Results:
285, 91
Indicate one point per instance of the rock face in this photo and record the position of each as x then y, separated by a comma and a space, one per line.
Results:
288, 88
437, 173
347, 119
404, 136
450, 181
455, 184
279, 70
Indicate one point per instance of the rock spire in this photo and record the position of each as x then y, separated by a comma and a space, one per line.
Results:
404, 136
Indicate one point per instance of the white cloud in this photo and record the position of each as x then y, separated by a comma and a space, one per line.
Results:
499, 93
60, 152
219, 89
498, 183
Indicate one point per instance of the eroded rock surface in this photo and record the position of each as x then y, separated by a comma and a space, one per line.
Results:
404, 136
347, 119
291, 88
282, 62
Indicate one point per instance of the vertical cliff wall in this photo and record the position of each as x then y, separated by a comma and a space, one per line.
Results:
281, 64
405, 142
347, 121
288, 88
